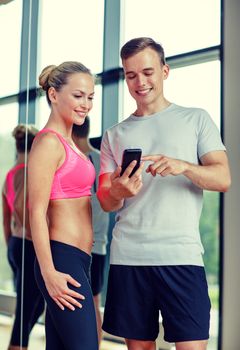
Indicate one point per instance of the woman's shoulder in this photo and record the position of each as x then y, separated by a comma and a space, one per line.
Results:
47, 145
46, 138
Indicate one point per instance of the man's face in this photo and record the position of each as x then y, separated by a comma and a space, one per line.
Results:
144, 75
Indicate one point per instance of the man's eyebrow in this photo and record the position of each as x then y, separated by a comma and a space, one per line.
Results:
148, 69
130, 72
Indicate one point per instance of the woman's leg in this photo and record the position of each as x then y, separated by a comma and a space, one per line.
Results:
53, 341
73, 328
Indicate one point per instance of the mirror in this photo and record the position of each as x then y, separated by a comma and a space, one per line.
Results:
19, 103
9, 109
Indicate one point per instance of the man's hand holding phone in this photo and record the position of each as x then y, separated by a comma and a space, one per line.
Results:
127, 179
130, 155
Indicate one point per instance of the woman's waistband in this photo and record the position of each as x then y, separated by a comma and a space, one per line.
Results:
61, 247
20, 240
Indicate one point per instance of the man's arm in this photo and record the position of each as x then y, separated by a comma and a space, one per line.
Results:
212, 174
113, 188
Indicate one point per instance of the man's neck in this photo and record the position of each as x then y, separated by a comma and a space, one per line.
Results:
145, 110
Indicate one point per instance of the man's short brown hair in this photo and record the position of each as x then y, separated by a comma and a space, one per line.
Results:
134, 46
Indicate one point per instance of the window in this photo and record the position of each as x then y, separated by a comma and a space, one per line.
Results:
181, 26
10, 29
71, 31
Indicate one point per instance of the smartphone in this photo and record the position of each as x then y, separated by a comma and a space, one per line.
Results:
129, 155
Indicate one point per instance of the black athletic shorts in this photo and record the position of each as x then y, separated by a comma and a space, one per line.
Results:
136, 295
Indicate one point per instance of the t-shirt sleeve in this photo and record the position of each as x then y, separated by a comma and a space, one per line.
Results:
107, 162
209, 138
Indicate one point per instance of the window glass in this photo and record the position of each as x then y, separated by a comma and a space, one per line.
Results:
10, 39
8, 121
196, 86
71, 31
180, 26
95, 114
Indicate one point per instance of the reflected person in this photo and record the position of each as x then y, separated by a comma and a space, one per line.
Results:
60, 178
14, 231
80, 134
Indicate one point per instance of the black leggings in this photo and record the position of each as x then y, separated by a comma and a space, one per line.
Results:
70, 330
33, 302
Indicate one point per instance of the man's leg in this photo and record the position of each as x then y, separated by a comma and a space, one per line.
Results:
140, 344
192, 345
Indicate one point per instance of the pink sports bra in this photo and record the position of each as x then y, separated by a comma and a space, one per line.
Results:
10, 191
76, 175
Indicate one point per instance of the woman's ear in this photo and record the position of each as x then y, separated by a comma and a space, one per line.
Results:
52, 94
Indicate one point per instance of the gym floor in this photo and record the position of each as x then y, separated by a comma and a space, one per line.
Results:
37, 339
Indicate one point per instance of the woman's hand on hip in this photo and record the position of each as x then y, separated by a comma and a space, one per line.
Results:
57, 286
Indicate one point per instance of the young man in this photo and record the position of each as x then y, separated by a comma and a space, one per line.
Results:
80, 135
156, 251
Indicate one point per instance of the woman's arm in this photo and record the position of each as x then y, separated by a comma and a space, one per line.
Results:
6, 214
46, 155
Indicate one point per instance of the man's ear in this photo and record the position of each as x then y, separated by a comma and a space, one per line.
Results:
166, 70
52, 94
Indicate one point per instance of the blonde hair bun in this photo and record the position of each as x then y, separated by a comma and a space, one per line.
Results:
44, 76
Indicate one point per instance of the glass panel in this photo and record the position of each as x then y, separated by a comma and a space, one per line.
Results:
209, 228
8, 121
74, 34
201, 84
10, 47
181, 26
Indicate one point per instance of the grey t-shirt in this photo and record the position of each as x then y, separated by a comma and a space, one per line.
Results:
160, 225
99, 217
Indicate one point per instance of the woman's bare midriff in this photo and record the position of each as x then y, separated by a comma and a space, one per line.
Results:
70, 222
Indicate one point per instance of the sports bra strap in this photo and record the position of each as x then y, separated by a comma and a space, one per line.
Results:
53, 132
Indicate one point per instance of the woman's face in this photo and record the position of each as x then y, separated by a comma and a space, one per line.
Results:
75, 99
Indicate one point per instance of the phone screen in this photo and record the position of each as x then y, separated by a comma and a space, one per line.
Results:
129, 155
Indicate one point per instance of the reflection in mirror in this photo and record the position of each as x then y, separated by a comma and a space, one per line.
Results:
20, 253
8, 120
27, 298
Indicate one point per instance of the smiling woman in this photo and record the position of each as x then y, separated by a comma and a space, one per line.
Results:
57, 192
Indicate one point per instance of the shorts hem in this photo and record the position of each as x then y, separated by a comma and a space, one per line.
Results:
185, 339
